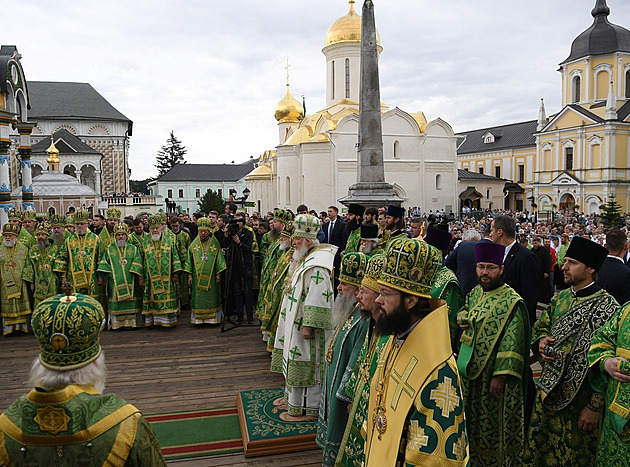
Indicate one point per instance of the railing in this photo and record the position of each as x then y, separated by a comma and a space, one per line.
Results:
132, 200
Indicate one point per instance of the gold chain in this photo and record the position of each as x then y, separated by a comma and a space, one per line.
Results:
379, 418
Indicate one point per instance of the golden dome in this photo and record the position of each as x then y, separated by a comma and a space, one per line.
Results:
289, 109
346, 29
263, 171
53, 153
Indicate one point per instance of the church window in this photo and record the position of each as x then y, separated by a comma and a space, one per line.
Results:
568, 158
181, 193
497, 171
197, 193
347, 78
489, 138
169, 193
481, 170
288, 188
51, 211
332, 80
628, 84
521, 173
438, 182
396, 149
577, 84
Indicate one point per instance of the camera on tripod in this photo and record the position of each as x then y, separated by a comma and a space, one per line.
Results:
233, 228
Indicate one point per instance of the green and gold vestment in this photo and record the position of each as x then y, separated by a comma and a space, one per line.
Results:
446, 287
613, 340
41, 272
161, 263
123, 268
182, 240
76, 426
563, 389
15, 307
273, 298
495, 344
268, 265
77, 260
353, 243
204, 260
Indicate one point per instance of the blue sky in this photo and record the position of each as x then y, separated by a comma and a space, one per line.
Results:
213, 71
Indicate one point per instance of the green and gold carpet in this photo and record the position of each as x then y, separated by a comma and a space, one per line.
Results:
264, 432
197, 433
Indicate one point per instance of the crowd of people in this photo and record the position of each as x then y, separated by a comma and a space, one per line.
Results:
409, 339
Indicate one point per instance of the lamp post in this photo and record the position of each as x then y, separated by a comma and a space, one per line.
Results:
240, 200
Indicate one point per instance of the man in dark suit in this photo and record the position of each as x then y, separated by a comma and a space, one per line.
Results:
520, 266
462, 259
335, 234
614, 275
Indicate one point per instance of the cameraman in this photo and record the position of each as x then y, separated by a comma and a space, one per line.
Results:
240, 265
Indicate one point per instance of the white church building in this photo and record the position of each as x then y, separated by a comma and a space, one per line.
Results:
316, 158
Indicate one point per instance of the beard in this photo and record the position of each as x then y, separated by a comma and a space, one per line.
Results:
121, 243
284, 246
298, 255
9, 243
398, 321
156, 237
57, 237
42, 245
575, 278
273, 233
490, 285
344, 304
30, 229
367, 313
369, 246
81, 230
352, 225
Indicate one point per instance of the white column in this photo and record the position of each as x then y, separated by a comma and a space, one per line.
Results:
5, 183
97, 174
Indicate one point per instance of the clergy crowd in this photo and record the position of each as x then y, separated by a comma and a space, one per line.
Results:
408, 345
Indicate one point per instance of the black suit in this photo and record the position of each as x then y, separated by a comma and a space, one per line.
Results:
337, 238
614, 278
522, 273
462, 262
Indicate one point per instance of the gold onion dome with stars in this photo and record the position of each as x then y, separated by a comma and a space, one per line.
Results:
346, 29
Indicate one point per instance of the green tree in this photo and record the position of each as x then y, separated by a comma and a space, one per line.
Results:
211, 201
171, 154
140, 186
610, 214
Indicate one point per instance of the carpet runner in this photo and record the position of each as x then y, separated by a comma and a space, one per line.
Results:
197, 433
264, 432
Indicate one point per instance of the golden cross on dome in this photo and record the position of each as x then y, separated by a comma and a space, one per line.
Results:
287, 68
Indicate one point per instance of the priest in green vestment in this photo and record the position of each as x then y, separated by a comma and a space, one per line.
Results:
343, 351
29, 222
70, 225
281, 218
357, 390
137, 233
42, 256
15, 218
182, 240
492, 360
609, 357
15, 307
121, 265
204, 262
65, 420
416, 411
565, 423
107, 233
78, 258
370, 243
273, 293
58, 230
161, 267
354, 218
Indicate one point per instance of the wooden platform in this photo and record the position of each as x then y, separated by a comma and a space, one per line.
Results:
167, 370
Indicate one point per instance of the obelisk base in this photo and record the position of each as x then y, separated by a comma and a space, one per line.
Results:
372, 195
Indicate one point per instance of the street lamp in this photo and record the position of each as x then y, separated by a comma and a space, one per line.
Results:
240, 200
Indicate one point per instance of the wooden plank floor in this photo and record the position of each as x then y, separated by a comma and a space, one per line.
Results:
167, 370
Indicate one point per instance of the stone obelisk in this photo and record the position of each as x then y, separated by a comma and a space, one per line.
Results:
371, 190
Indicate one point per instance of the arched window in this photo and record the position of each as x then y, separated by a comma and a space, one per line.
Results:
438, 182
347, 78
288, 191
332, 79
576, 91
51, 211
628, 84
396, 149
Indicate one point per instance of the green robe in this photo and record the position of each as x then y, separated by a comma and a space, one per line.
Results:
15, 307
354, 241
265, 241
123, 268
26, 238
161, 263
446, 287
268, 265
273, 297
41, 272
76, 426
495, 344
358, 390
106, 239
333, 409
77, 260
204, 260
554, 438
183, 291
137, 240
613, 340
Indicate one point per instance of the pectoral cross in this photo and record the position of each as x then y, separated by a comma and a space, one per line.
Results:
401, 382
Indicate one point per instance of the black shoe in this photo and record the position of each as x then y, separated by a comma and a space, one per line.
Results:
239, 321
250, 321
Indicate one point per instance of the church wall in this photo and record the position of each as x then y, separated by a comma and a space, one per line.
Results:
336, 56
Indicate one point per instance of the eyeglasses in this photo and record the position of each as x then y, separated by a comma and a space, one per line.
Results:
387, 295
489, 267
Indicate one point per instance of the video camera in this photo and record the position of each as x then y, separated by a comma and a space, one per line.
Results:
233, 228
